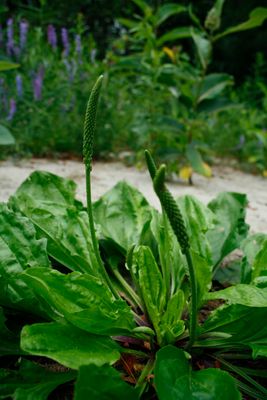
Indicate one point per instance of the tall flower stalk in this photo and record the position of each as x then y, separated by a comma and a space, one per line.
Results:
175, 217
88, 141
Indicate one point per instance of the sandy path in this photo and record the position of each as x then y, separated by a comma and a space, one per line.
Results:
105, 175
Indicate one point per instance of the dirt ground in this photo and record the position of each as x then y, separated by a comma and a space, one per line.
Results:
106, 175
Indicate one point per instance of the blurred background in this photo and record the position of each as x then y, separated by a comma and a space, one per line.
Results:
187, 79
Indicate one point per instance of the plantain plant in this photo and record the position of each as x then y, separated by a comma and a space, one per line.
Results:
118, 299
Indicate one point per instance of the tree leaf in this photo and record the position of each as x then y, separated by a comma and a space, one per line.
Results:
203, 46
256, 18
195, 159
49, 202
175, 34
230, 227
122, 214
167, 10
103, 383
6, 138
175, 380
83, 300
31, 381
19, 250
213, 85
68, 345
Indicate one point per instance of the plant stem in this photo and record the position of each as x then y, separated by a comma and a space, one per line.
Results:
193, 311
146, 371
128, 289
102, 269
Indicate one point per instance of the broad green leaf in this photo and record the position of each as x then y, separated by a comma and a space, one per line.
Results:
19, 250
236, 325
213, 19
102, 383
203, 46
230, 228
122, 213
171, 325
175, 380
259, 266
144, 7
199, 221
68, 345
82, 299
256, 18
167, 10
151, 285
246, 295
49, 202
7, 65
171, 259
177, 33
216, 105
31, 381
9, 342
203, 275
213, 85
6, 137
196, 161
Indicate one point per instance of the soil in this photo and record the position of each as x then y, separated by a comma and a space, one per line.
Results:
107, 174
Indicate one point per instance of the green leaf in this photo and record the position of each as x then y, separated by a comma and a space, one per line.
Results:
7, 65
171, 325
260, 264
236, 325
31, 381
203, 46
68, 345
256, 18
9, 342
19, 250
167, 10
122, 213
216, 105
177, 33
199, 220
6, 137
196, 161
49, 202
203, 275
230, 228
246, 295
103, 383
175, 380
213, 85
82, 299
151, 285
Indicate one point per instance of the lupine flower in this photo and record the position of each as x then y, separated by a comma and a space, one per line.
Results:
71, 69
93, 55
10, 38
65, 41
12, 109
23, 31
19, 85
38, 84
52, 36
78, 46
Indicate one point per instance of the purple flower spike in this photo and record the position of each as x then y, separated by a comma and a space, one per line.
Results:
38, 84
19, 85
52, 36
12, 109
23, 31
65, 41
10, 37
78, 45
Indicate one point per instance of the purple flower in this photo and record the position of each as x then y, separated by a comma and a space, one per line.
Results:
71, 69
10, 38
65, 41
12, 109
38, 84
23, 31
78, 46
19, 85
52, 36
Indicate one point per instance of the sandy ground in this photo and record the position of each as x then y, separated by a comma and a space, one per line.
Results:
106, 175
